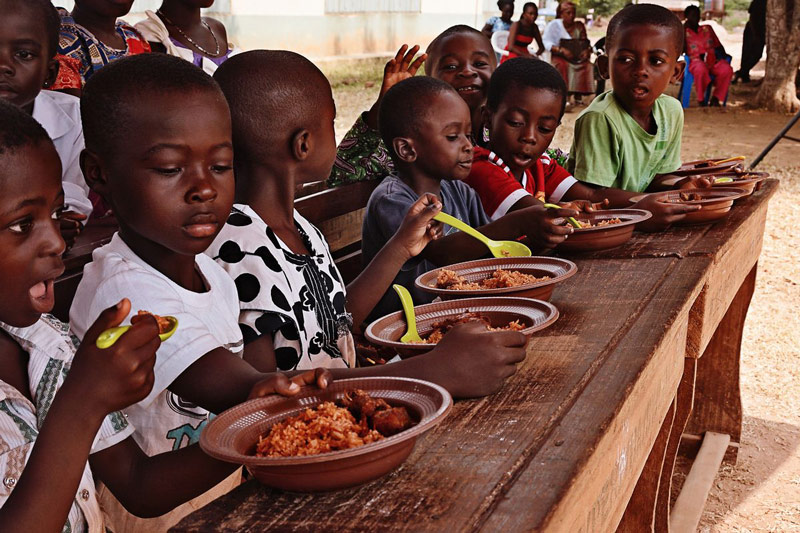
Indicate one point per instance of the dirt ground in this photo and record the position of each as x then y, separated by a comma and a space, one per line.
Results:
761, 493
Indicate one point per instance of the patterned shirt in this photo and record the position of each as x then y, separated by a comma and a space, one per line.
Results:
50, 348
91, 54
361, 156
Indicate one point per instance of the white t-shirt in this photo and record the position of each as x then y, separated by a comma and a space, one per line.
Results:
206, 321
60, 116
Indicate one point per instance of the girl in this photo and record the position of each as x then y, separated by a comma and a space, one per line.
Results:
91, 37
501, 23
574, 67
524, 32
177, 29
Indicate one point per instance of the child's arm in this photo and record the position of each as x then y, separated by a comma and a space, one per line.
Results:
99, 382
414, 234
512, 42
538, 37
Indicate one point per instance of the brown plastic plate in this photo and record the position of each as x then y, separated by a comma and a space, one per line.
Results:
747, 181
691, 168
557, 269
232, 436
715, 203
603, 237
535, 314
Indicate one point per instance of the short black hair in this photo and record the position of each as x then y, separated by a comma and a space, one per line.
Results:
501, 3
530, 4
689, 9
645, 14
45, 11
115, 94
404, 107
524, 72
271, 94
458, 29
18, 129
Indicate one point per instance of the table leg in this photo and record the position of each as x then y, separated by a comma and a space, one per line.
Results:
641, 510
718, 403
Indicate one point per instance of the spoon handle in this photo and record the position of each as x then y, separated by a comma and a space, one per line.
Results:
408, 310
110, 336
466, 228
572, 221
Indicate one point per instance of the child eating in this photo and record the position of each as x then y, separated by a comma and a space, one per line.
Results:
168, 175
29, 40
292, 301
629, 138
427, 128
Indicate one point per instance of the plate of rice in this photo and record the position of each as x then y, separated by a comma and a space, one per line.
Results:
354, 431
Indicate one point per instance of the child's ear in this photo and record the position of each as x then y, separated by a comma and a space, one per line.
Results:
94, 173
301, 145
602, 66
52, 73
404, 148
677, 74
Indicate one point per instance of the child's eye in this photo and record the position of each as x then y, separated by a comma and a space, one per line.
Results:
481, 64
21, 226
25, 54
515, 124
449, 67
452, 137
546, 131
167, 171
221, 168
656, 61
58, 213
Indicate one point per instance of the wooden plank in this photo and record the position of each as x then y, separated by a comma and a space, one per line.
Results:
688, 507
343, 230
331, 203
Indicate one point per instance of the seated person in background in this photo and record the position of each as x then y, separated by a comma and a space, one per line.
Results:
293, 306
629, 138
460, 56
91, 37
178, 29
523, 33
706, 59
427, 129
60, 405
501, 23
169, 178
29, 32
576, 70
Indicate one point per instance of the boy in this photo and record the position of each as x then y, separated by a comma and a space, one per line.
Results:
293, 304
629, 138
158, 150
427, 128
29, 32
460, 56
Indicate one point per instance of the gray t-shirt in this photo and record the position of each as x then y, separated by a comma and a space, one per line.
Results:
386, 209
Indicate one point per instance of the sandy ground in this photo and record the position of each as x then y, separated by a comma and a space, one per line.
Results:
761, 492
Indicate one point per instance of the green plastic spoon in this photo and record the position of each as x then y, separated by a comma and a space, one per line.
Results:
107, 338
498, 248
575, 223
411, 334
723, 180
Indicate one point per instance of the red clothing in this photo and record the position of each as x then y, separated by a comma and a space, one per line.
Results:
521, 41
704, 41
498, 189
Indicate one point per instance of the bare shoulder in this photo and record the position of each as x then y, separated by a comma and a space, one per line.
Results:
218, 27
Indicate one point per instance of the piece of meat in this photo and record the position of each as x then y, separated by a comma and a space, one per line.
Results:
390, 421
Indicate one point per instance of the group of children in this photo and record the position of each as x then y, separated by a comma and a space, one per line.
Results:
261, 306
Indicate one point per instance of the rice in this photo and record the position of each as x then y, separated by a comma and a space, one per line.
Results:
500, 279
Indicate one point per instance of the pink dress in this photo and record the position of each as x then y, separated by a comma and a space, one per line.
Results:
704, 41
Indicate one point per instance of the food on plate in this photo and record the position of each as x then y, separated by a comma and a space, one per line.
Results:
600, 223
686, 197
443, 326
164, 324
500, 279
355, 420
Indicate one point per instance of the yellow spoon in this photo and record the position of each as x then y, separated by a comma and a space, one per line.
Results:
107, 338
723, 180
575, 223
411, 334
498, 248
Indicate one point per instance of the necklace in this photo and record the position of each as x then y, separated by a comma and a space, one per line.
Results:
189, 39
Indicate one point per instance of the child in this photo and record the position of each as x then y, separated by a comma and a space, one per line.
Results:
427, 128
501, 23
168, 176
629, 138
29, 40
293, 304
91, 37
706, 58
524, 32
177, 29
460, 56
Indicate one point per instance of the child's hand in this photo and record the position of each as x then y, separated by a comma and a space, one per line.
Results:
120, 375
285, 386
664, 214
71, 227
694, 182
542, 230
400, 67
418, 227
471, 361
585, 206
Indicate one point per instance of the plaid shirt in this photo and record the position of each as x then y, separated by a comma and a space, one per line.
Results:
51, 349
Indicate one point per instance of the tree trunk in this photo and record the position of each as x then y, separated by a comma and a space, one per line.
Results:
778, 91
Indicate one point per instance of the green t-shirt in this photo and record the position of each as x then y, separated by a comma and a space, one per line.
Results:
612, 150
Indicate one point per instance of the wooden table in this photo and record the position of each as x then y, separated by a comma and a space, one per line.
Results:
585, 435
